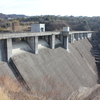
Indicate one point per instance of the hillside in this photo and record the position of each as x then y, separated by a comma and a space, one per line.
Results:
10, 16
52, 23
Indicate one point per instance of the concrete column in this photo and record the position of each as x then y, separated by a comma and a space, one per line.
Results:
84, 35
52, 41
71, 38
9, 49
66, 42
74, 36
36, 44
61, 38
87, 35
77, 36
81, 36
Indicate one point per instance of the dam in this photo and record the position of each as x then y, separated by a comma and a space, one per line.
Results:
50, 61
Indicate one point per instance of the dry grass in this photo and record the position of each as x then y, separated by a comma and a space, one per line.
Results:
11, 90
19, 28
3, 94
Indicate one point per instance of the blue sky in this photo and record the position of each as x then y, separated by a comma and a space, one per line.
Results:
51, 7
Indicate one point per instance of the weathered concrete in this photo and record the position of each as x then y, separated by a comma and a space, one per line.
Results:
77, 36
3, 51
38, 28
71, 38
66, 42
31, 42
9, 49
81, 36
72, 69
36, 44
52, 41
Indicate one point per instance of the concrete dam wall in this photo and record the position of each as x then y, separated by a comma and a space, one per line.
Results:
70, 70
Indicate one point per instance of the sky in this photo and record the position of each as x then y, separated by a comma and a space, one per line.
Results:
51, 7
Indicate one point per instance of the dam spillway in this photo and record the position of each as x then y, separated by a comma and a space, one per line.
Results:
75, 68
70, 69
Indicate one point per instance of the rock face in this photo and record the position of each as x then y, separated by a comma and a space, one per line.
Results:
58, 70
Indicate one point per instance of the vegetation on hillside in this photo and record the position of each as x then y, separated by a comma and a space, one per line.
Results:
53, 23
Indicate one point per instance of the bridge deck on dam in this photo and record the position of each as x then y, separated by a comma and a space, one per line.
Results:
71, 69
30, 34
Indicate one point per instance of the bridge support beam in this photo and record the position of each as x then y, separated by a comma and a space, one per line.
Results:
36, 44
77, 36
93, 35
52, 41
71, 38
85, 35
81, 36
9, 49
66, 42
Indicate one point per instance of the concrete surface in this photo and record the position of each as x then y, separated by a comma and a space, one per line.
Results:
72, 70
20, 48
31, 34
9, 49
3, 51
6, 70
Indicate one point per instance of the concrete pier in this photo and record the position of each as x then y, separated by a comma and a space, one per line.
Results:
77, 36
9, 49
36, 44
66, 42
71, 38
85, 35
81, 36
52, 41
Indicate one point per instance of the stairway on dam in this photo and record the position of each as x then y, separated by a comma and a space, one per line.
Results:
70, 70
